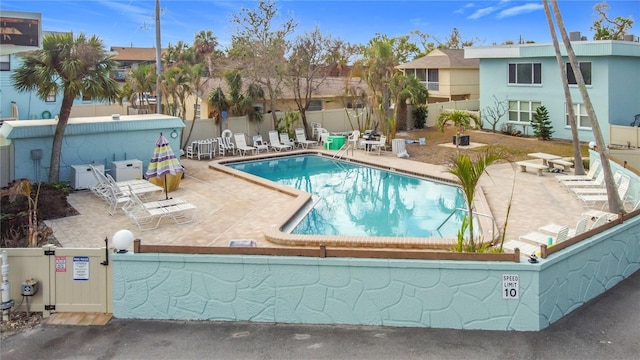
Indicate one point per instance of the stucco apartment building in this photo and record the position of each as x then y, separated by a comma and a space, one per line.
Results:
527, 76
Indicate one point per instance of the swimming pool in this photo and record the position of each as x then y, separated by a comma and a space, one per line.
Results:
352, 199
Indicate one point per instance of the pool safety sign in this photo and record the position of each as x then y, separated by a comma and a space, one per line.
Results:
510, 286
61, 264
80, 268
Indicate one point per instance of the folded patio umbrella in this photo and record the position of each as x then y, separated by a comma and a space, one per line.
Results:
164, 162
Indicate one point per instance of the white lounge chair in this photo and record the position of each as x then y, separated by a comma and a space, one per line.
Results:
554, 229
259, 144
609, 215
241, 144
590, 175
301, 138
599, 181
526, 249
538, 238
147, 216
274, 142
617, 177
623, 188
286, 140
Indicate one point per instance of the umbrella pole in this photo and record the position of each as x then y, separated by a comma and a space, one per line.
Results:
166, 193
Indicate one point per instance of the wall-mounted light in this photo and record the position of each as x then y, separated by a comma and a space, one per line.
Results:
122, 240
592, 145
174, 134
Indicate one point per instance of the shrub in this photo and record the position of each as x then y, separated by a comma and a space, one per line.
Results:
542, 128
420, 113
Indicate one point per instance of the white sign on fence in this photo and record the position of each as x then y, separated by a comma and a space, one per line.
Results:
80, 268
510, 286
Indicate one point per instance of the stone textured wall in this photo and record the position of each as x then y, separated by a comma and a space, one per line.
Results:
439, 294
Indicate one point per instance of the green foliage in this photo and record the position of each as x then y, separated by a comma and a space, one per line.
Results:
468, 172
289, 123
617, 27
420, 113
542, 128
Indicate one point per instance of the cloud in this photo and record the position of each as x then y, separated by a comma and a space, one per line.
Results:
518, 10
482, 12
465, 7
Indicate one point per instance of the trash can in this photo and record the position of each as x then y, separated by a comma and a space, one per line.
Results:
126, 170
397, 146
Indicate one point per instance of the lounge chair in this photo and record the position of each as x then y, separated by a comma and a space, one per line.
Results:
301, 138
609, 215
538, 238
599, 181
241, 144
591, 174
274, 142
259, 144
526, 249
147, 216
225, 146
554, 229
286, 140
623, 188
617, 177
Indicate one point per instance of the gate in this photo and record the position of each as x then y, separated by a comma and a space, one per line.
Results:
68, 279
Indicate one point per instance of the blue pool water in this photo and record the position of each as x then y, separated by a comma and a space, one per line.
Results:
352, 199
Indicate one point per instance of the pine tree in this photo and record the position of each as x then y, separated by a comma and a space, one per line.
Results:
541, 124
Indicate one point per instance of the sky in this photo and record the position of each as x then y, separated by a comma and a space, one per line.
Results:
132, 22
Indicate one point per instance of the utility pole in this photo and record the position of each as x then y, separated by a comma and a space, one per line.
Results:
158, 60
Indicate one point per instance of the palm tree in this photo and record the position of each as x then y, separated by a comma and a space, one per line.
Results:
461, 121
218, 102
205, 44
615, 203
577, 156
468, 172
403, 88
74, 67
197, 86
140, 80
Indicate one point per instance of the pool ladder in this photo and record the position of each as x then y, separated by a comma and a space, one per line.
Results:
343, 150
494, 227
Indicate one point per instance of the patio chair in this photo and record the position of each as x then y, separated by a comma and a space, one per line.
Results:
286, 140
225, 146
623, 188
315, 131
241, 144
274, 142
382, 143
147, 216
259, 144
598, 190
301, 138
538, 238
554, 229
591, 174
594, 214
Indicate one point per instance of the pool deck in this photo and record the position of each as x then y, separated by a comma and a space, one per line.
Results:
231, 208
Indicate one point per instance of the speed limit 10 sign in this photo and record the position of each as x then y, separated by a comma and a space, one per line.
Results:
510, 286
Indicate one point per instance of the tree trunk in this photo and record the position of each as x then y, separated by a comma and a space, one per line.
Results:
577, 156
615, 203
58, 136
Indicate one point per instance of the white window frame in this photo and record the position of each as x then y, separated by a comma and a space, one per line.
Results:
533, 74
519, 111
581, 114
5, 62
571, 78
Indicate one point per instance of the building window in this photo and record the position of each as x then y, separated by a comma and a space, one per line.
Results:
5, 63
582, 119
522, 111
525, 73
86, 97
315, 105
196, 110
433, 83
585, 69
51, 97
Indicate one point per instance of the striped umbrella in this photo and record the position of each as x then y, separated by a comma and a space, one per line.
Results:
163, 162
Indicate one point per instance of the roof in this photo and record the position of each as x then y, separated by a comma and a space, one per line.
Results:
442, 59
20, 129
538, 50
330, 88
124, 53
